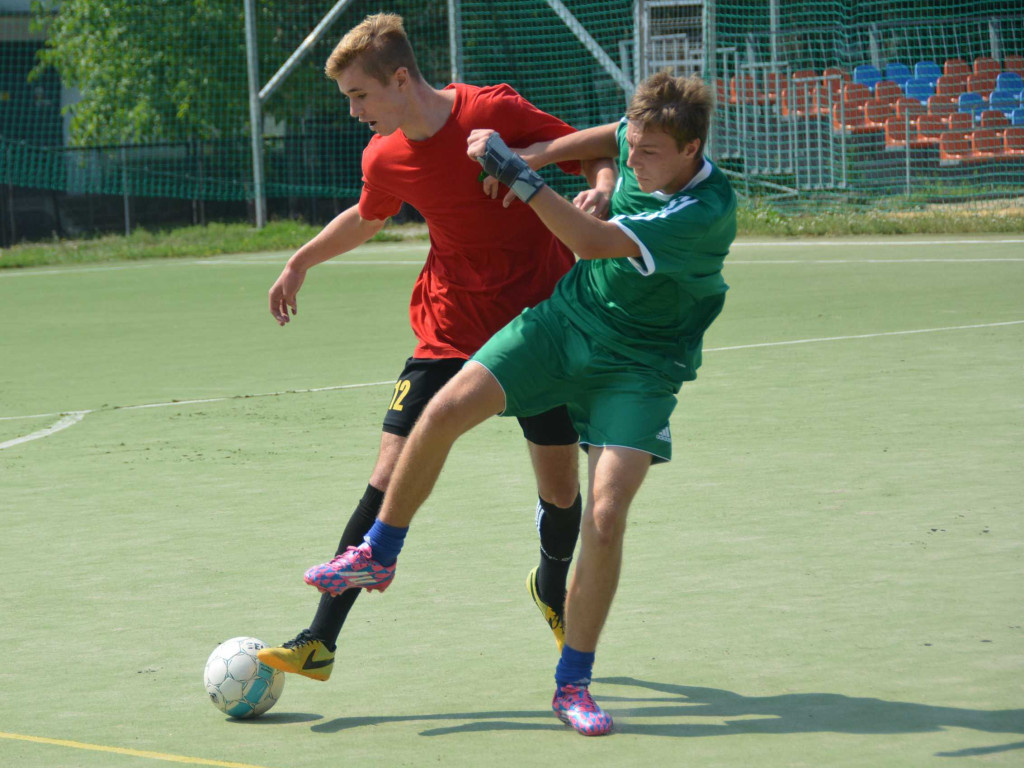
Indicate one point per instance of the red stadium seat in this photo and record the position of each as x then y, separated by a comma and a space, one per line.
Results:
896, 136
848, 117
983, 83
1013, 63
954, 147
905, 106
876, 113
833, 79
960, 122
957, 67
994, 118
941, 105
986, 143
802, 100
930, 128
987, 65
887, 91
951, 85
1013, 140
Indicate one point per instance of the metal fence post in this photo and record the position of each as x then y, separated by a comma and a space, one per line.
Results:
255, 114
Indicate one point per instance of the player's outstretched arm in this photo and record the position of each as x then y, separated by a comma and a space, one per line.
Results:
589, 144
346, 231
586, 236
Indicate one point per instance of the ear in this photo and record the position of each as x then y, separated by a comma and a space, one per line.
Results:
401, 77
692, 149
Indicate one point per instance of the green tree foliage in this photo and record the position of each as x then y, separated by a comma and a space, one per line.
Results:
173, 70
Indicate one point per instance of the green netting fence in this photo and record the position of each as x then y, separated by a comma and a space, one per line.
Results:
122, 113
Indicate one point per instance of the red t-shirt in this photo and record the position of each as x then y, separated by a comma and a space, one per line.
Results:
486, 263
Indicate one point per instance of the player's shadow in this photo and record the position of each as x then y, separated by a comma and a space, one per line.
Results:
678, 708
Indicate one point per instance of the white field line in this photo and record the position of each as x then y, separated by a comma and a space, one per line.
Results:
70, 418
67, 420
269, 258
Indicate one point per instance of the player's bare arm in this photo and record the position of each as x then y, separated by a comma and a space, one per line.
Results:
589, 144
586, 236
346, 231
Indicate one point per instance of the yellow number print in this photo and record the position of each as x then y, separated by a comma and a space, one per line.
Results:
401, 390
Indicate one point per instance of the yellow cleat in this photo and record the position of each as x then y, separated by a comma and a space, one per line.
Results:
553, 618
305, 655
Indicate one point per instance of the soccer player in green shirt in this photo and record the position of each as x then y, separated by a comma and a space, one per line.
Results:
621, 333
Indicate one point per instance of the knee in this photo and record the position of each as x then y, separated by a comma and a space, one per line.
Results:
606, 526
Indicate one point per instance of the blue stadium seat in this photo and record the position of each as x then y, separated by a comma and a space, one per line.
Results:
919, 88
1006, 101
1009, 81
971, 103
867, 74
929, 70
1017, 116
898, 73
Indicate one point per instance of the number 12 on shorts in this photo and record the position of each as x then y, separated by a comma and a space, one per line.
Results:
401, 390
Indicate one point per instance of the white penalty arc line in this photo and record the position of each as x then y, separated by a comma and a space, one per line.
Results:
70, 418
67, 420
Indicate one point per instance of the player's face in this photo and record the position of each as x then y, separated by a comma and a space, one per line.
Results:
381, 107
657, 161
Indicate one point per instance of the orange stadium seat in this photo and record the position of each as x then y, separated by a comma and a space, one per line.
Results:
1013, 63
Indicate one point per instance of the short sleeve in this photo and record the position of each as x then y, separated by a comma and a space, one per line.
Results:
520, 123
375, 204
666, 237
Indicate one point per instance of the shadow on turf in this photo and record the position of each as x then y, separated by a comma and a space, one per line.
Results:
680, 705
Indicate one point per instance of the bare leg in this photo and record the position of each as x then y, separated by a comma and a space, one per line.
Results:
615, 475
556, 468
471, 397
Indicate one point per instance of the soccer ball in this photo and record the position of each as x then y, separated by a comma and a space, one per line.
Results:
237, 682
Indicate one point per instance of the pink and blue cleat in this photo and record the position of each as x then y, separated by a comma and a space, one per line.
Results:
353, 569
576, 707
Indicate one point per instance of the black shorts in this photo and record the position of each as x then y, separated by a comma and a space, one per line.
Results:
422, 378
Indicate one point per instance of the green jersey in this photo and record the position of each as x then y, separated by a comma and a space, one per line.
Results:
655, 308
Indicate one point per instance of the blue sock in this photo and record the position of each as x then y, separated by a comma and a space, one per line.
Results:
574, 667
385, 541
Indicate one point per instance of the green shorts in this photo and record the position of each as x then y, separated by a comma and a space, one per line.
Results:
541, 361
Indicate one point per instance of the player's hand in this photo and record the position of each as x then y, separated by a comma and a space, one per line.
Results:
491, 187
593, 201
283, 294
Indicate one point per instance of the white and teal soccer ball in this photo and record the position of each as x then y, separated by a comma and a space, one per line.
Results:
237, 682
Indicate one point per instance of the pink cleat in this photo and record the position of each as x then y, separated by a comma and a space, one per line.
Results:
574, 706
354, 569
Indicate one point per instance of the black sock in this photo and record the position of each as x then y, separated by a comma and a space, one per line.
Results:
333, 610
559, 529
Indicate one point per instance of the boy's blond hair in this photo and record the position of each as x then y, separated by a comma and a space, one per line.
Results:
379, 44
679, 106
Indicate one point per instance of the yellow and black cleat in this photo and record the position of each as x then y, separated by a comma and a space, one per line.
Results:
552, 617
305, 655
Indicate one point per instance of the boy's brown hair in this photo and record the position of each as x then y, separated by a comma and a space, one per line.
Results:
679, 106
379, 44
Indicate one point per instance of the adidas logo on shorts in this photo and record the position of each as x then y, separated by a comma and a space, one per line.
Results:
664, 435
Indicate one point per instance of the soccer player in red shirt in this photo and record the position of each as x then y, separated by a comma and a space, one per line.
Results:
485, 265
